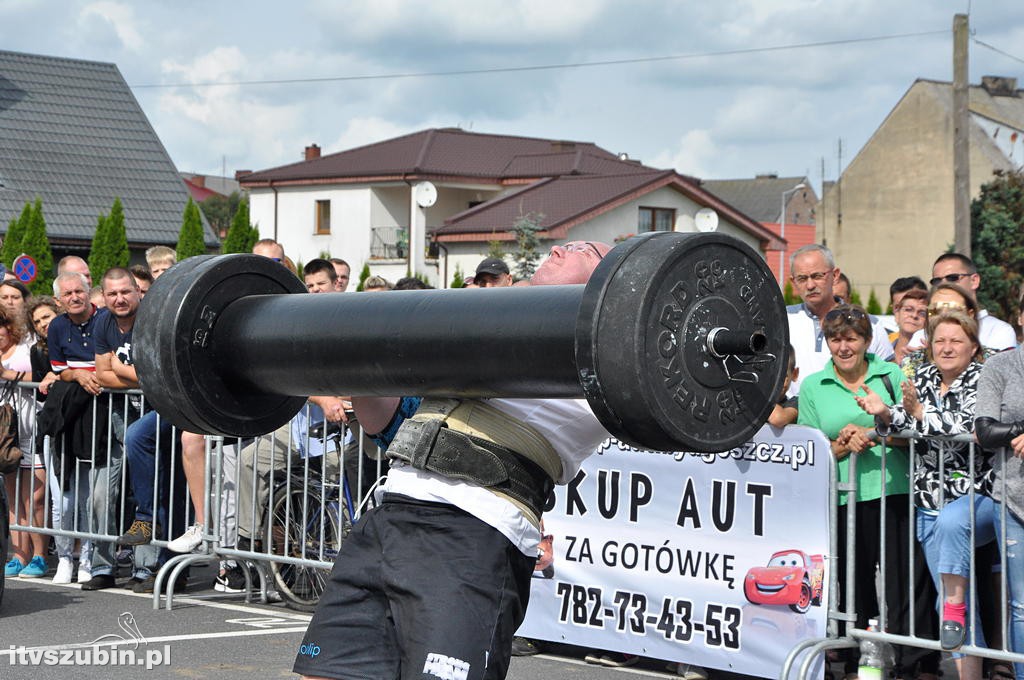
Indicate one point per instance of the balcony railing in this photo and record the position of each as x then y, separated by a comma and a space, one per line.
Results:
389, 243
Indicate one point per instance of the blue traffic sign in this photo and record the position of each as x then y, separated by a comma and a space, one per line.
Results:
25, 268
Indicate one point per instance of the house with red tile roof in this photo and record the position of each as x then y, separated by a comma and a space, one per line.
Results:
454, 192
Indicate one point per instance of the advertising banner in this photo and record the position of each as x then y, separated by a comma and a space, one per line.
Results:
711, 559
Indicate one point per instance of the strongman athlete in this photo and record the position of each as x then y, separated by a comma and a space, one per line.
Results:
434, 582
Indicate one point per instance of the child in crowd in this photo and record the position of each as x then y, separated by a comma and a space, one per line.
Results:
160, 259
785, 410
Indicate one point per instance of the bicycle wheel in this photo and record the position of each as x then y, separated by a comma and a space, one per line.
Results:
305, 526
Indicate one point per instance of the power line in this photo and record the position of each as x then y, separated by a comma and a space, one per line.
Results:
997, 50
547, 67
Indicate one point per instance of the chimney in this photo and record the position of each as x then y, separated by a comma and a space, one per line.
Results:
241, 173
561, 145
1000, 86
199, 181
312, 152
766, 175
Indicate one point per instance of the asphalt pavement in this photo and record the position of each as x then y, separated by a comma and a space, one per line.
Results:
46, 632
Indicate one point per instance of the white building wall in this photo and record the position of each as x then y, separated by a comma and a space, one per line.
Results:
296, 221
608, 227
355, 210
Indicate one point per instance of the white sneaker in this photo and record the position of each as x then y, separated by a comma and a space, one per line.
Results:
84, 571
65, 570
689, 671
188, 541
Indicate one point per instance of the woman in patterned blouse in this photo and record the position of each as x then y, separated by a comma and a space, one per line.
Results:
943, 404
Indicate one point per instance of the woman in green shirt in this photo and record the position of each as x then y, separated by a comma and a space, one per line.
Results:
827, 403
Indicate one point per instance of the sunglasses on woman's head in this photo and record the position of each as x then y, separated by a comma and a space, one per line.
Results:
846, 313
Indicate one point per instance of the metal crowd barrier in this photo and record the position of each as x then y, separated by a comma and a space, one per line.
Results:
309, 503
845, 612
308, 506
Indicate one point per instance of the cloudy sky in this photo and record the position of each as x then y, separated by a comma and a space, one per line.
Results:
719, 89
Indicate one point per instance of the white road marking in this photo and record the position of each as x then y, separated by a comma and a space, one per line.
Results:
198, 600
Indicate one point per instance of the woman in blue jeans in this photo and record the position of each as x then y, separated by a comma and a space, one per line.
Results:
942, 402
1000, 427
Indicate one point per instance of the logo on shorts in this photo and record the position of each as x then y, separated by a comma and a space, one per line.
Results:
445, 667
310, 649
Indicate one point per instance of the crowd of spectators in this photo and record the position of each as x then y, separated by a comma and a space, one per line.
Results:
947, 368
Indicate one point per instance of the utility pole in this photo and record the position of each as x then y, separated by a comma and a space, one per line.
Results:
961, 150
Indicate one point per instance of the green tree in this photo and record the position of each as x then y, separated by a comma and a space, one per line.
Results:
789, 296
496, 248
363, 275
526, 254
99, 241
855, 298
37, 245
110, 242
458, 280
190, 240
997, 242
237, 240
220, 212
874, 306
15, 236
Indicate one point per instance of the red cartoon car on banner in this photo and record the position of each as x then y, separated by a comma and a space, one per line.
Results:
791, 578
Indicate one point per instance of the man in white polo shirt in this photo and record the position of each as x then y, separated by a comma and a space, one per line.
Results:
959, 269
813, 272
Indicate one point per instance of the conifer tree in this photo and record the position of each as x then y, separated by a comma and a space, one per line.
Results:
363, 275
110, 243
458, 280
874, 306
15, 236
100, 239
37, 245
190, 240
240, 232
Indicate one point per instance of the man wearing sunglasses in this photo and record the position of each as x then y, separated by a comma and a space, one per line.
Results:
814, 274
959, 269
435, 580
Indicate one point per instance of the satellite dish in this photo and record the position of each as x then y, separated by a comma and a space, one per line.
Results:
425, 194
706, 219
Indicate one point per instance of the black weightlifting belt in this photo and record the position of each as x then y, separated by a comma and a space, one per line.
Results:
431, 445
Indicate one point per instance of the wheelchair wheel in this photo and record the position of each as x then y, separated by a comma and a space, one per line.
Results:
313, 531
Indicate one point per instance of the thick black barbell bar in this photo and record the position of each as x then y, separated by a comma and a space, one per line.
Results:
677, 342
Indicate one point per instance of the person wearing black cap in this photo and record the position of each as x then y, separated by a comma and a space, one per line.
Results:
492, 273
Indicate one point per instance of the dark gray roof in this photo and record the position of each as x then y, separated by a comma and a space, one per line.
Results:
72, 133
451, 152
760, 198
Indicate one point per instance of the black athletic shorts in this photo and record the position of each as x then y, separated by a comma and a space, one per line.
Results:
419, 590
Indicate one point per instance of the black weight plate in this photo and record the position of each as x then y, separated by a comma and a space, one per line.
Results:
189, 390
641, 345
152, 337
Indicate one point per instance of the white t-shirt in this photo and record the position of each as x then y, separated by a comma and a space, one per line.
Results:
812, 351
568, 424
992, 332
